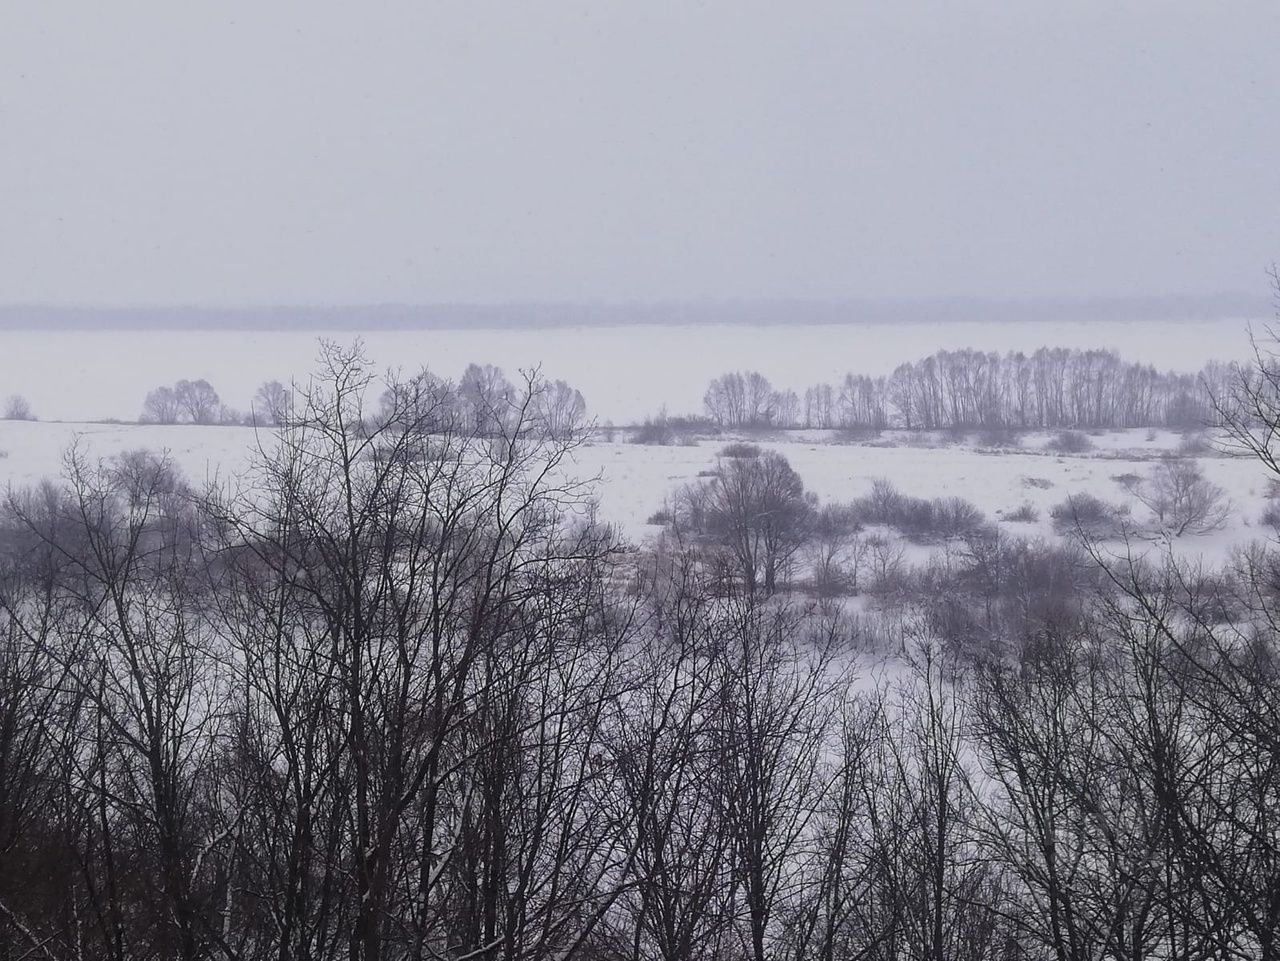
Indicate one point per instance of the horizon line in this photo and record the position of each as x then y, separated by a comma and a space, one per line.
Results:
673, 312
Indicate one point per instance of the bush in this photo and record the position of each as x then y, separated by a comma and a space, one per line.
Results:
1069, 442
1271, 516
836, 519
1088, 514
857, 435
1001, 438
740, 450
1039, 483
1128, 480
1195, 443
835, 560
919, 519
1024, 513
1183, 500
661, 517
884, 563
655, 433
667, 431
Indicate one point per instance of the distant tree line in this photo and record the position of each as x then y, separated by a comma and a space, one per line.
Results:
968, 389
483, 398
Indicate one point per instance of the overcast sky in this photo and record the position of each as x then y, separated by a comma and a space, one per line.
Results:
332, 152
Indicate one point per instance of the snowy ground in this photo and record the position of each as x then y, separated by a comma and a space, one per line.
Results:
996, 481
624, 372
635, 480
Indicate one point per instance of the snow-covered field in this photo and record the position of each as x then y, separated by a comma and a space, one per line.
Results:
624, 372
634, 480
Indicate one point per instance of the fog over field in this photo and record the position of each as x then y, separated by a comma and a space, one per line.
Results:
640, 481
624, 372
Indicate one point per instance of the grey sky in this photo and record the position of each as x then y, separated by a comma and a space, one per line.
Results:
336, 152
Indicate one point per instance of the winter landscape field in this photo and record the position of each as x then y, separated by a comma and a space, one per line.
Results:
626, 375
640, 481
896, 606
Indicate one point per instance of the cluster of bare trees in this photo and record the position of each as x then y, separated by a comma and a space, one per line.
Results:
483, 400
747, 399
394, 694
1134, 777
355, 708
968, 389
187, 401
754, 508
197, 402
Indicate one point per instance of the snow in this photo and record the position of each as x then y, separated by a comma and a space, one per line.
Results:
624, 372
635, 480
34, 451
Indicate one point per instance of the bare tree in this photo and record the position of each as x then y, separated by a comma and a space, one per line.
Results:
425, 642
775, 714
558, 409
1182, 499
755, 506
18, 408
197, 401
138, 676
271, 403
161, 406
488, 397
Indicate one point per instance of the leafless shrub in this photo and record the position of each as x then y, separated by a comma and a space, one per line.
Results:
999, 438
836, 559
654, 432
1195, 444
1271, 516
857, 435
1128, 480
661, 517
741, 450
1069, 442
1182, 499
918, 518
1024, 513
885, 563
1087, 514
